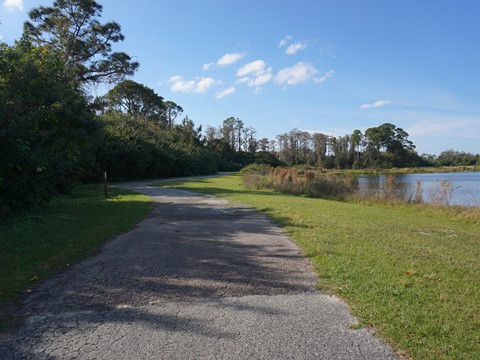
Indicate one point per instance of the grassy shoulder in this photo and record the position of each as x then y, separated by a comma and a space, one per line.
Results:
409, 271
35, 246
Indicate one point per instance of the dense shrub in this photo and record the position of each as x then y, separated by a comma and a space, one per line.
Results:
194, 160
134, 149
44, 123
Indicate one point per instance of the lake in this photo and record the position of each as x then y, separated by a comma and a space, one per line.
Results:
459, 188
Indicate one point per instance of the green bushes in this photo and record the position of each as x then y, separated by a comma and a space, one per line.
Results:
133, 149
50, 139
194, 160
44, 123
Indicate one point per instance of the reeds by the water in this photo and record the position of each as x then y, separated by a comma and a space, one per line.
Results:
345, 187
291, 181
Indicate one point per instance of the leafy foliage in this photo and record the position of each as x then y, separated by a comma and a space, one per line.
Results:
43, 126
136, 100
456, 158
72, 27
132, 149
384, 146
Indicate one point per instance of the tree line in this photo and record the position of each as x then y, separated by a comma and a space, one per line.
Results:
54, 135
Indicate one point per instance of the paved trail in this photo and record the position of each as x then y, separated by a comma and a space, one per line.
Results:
198, 279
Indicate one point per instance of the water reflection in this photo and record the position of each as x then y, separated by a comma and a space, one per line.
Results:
443, 188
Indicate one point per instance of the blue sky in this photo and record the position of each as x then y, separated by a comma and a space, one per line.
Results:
327, 66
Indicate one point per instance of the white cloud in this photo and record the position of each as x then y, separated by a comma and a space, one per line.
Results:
208, 66
13, 5
376, 104
298, 73
284, 41
263, 78
1, 37
225, 93
255, 74
225, 60
243, 80
229, 59
180, 85
257, 79
327, 75
204, 84
199, 85
294, 48
252, 68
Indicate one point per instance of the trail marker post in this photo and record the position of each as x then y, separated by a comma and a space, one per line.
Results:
105, 183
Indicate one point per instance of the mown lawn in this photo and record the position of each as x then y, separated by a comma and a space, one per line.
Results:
34, 246
410, 272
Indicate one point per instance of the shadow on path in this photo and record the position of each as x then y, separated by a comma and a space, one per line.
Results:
198, 278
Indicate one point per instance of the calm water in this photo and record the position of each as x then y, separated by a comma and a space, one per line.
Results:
465, 188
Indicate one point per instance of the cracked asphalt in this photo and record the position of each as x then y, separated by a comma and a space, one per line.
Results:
200, 278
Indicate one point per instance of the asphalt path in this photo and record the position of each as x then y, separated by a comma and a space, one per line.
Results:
200, 278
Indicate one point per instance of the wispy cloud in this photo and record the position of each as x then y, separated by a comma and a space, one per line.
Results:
224, 93
208, 66
255, 74
445, 126
327, 75
198, 85
294, 48
434, 132
284, 41
13, 5
298, 73
375, 104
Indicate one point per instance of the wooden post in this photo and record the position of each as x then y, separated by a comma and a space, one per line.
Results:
105, 183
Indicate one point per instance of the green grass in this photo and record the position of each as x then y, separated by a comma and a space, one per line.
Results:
34, 246
409, 271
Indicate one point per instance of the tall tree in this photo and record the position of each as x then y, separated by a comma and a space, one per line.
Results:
137, 100
340, 147
171, 112
232, 131
187, 132
264, 144
211, 134
398, 149
72, 26
320, 142
239, 125
228, 131
250, 141
356, 139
